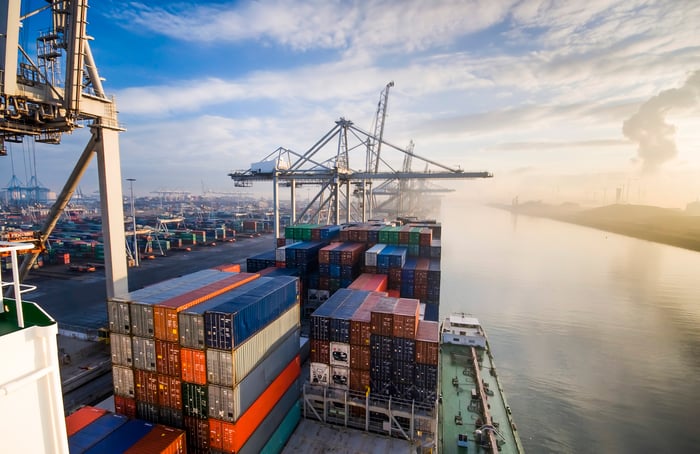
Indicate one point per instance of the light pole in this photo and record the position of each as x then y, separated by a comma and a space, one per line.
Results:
133, 218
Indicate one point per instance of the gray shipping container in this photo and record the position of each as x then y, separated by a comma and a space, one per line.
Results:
118, 315
120, 344
142, 320
229, 403
269, 425
123, 378
144, 351
191, 321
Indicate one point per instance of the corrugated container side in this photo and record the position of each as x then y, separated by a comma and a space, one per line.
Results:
193, 366
169, 391
122, 439
360, 357
359, 380
192, 328
125, 406
194, 398
120, 345
427, 342
82, 417
284, 431
123, 378
197, 434
118, 315
160, 440
220, 369
147, 411
272, 422
144, 351
141, 319
250, 352
320, 351
146, 386
232, 436
167, 358
95, 431
406, 317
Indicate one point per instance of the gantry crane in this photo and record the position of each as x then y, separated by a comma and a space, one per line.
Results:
40, 103
335, 175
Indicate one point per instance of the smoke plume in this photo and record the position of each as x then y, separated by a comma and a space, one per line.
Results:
648, 127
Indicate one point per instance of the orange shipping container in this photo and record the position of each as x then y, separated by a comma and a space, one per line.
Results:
81, 418
125, 406
230, 437
229, 268
360, 327
370, 282
165, 313
359, 380
146, 384
193, 366
406, 317
160, 440
167, 358
360, 357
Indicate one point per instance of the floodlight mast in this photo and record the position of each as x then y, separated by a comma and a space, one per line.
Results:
33, 105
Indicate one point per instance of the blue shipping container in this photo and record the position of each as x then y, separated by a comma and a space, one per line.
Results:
123, 438
91, 434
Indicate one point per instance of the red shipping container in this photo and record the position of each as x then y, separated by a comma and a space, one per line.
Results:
406, 317
146, 384
428, 342
167, 358
394, 293
230, 437
193, 366
360, 357
125, 406
165, 313
83, 417
169, 392
359, 380
320, 351
324, 254
370, 282
160, 440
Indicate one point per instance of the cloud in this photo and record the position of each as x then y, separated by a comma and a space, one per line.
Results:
649, 129
586, 144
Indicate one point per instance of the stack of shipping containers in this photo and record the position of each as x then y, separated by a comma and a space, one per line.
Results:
215, 353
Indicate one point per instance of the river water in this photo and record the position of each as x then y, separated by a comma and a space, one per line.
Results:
596, 336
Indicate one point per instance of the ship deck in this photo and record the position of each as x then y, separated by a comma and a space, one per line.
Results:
461, 395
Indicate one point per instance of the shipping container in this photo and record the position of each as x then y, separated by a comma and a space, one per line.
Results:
191, 320
230, 368
167, 358
339, 354
382, 317
144, 351
119, 316
319, 373
360, 357
125, 406
122, 439
340, 377
142, 319
171, 417
427, 342
370, 282
272, 422
320, 351
120, 345
147, 411
91, 434
146, 386
234, 322
82, 417
229, 267
194, 399
359, 380
372, 253
231, 437
339, 330
360, 326
321, 317
160, 440
193, 366
283, 432
406, 317
123, 378
169, 391
197, 434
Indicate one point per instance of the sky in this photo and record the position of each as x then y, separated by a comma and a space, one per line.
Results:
560, 100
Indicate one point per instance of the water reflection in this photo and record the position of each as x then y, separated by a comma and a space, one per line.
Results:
596, 335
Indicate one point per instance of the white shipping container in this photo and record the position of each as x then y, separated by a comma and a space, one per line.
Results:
372, 253
144, 351
340, 377
123, 378
340, 354
248, 354
220, 367
122, 354
320, 373
323, 295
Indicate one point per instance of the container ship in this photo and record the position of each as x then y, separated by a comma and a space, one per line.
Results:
337, 326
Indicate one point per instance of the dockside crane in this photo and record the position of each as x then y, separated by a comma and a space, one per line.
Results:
334, 172
39, 102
